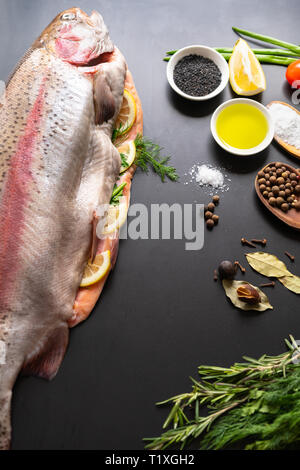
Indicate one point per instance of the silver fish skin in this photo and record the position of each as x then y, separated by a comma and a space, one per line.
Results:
57, 164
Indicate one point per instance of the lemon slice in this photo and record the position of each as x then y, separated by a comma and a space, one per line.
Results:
245, 72
95, 271
127, 113
128, 150
116, 217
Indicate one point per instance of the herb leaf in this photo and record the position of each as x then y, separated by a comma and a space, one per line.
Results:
123, 159
231, 287
117, 194
117, 132
148, 154
267, 264
255, 404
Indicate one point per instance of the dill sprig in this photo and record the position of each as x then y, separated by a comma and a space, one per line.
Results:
149, 154
117, 194
123, 159
255, 404
119, 131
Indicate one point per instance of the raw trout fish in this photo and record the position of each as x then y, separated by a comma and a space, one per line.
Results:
58, 164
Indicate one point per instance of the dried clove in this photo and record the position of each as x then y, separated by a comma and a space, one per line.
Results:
244, 241
292, 257
263, 242
268, 284
237, 263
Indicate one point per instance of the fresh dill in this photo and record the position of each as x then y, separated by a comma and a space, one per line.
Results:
124, 160
118, 131
255, 404
149, 154
117, 194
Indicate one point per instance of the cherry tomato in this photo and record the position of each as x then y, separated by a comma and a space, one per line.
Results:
293, 74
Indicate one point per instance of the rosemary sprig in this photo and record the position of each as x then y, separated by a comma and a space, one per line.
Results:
148, 154
117, 194
253, 400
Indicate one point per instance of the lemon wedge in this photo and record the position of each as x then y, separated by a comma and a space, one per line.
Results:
95, 271
245, 72
128, 150
127, 114
116, 217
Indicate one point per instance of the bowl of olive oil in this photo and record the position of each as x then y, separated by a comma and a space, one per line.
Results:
242, 126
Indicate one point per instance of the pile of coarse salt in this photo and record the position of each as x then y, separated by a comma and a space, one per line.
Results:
287, 124
207, 175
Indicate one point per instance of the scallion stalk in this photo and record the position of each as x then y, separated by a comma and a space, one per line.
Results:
287, 45
118, 189
273, 52
267, 59
263, 58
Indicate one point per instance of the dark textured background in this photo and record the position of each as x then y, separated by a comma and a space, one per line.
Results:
161, 314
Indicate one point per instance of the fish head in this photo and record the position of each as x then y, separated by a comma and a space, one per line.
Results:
76, 37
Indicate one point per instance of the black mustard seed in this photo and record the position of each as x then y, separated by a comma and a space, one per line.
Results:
196, 75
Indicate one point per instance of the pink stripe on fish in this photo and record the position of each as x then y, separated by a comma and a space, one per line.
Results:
15, 198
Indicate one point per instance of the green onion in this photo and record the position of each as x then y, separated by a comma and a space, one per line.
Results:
287, 45
273, 52
118, 189
268, 59
117, 193
263, 58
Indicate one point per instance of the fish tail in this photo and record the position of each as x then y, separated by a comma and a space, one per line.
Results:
5, 421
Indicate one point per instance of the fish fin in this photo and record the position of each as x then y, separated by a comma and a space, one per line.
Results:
46, 362
103, 99
5, 423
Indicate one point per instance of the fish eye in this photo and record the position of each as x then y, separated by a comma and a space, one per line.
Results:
68, 16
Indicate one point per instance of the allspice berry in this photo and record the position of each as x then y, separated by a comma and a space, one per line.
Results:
210, 223
296, 205
279, 201
272, 201
211, 206
215, 218
208, 215
216, 199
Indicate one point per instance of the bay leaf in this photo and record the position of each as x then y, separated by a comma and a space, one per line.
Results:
291, 282
267, 264
231, 287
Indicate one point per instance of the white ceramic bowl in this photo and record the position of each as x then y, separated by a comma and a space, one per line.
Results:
208, 52
236, 151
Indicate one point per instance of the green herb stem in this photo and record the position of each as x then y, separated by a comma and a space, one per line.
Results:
118, 189
262, 58
267, 59
257, 400
117, 193
276, 52
287, 45
273, 52
149, 154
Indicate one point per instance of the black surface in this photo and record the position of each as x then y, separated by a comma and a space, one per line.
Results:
161, 314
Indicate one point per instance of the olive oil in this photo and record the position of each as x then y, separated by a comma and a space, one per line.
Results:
241, 126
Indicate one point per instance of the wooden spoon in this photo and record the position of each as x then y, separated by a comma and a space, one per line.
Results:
290, 148
291, 217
